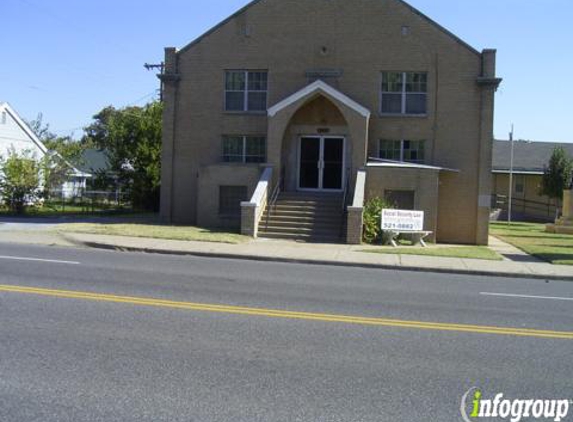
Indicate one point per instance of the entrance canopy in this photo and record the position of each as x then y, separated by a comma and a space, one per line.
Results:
293, 124
319, 87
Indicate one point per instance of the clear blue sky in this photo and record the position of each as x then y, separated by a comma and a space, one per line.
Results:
70, 58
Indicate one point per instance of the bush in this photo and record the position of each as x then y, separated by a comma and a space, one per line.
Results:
372, 219
19, 180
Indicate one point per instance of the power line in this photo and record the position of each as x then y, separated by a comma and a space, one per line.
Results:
161, 67
130, 104
67, 23
154, 92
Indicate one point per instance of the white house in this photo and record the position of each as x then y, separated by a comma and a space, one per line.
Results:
16, 134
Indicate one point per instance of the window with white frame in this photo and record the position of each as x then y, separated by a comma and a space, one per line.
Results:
244, 149
404, 93
404, 150
246, 90
3, 118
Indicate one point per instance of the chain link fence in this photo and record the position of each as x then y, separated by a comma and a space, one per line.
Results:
86, 201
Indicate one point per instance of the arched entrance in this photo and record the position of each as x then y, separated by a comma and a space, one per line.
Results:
317, 139
316, 147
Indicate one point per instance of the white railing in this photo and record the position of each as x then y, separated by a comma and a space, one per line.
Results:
358, 200
354, 215
252, 211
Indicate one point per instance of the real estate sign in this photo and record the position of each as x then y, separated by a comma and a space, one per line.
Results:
402, 220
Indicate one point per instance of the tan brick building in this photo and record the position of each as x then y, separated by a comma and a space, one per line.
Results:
530, 160
315, 106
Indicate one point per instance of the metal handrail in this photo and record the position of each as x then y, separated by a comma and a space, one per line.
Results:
525, 206
345, 197
272, 203
345, 194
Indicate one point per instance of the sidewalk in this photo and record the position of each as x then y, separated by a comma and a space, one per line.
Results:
516, 263
328, 254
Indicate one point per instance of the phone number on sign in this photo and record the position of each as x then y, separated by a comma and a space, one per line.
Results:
397, 226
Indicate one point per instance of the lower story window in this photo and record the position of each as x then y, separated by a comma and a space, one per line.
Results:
230, 198
401, 199
244, 149
404, 150
519, 184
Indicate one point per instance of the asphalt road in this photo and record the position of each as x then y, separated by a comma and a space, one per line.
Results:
196, 339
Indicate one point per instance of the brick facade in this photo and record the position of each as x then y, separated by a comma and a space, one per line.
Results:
347, 44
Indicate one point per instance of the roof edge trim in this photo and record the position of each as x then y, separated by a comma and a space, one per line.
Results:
315, 87
404, 3
219, 25
24, 126
440, 27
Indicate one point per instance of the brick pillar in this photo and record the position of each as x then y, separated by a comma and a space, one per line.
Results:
489, 83
354, 222
169, 79
249, 219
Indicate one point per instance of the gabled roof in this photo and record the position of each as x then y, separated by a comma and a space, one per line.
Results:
319, 87
93, 161
439, 27
5, 107
528, 157
219, 25
402, 2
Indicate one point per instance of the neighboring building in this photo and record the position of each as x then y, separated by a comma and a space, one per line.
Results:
94, 161
307, 96
16, 134
529, 162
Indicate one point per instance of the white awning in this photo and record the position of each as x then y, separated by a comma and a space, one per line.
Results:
379, 162
323, 88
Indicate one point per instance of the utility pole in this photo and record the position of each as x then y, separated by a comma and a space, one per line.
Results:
510, 176
161, 67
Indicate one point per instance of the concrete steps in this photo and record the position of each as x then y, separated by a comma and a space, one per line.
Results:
304, 217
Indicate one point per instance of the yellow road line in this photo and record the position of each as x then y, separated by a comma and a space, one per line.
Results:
274, 313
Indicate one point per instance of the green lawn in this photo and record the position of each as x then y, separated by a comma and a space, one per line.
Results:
470, 252
57, 210
155, 231
532, 239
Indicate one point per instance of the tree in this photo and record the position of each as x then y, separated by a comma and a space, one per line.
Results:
131, 138
41, 130
19, 180
65, 146
557, 175
55, 170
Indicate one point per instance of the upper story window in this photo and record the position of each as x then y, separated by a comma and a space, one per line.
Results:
3, 118
405, 151
404, 93
244, 149
246, 90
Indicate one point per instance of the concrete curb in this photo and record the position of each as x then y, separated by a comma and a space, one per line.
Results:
215, 255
